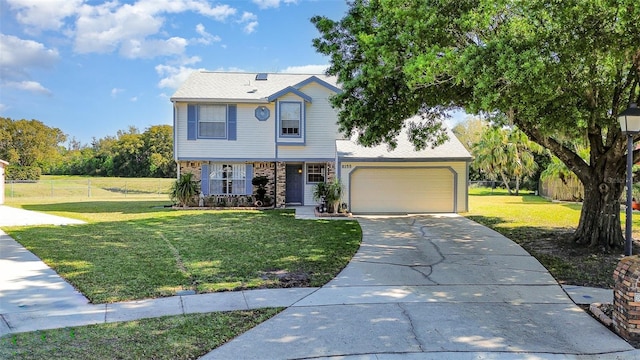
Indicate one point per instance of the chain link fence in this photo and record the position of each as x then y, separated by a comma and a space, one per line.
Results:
97, 188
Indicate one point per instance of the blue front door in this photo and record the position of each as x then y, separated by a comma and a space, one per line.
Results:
294, 193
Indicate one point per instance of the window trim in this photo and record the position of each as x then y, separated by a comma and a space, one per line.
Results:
300, 120
226, 122
323, 172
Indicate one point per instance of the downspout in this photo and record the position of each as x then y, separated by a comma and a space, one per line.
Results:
275, 153
175, 139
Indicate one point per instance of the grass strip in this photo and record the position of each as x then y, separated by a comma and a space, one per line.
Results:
171, 337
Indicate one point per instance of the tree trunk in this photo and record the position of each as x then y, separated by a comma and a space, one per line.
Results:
600, 217
517, 185
505, 181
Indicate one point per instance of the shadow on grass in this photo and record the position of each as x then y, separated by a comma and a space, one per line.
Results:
567, 261
84, 207
206, 251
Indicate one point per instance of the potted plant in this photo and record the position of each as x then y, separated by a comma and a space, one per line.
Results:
260, 182
328, 195
320, 196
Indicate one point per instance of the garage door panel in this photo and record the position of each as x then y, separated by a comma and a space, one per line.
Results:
402, 190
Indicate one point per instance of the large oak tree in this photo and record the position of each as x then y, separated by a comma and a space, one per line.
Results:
559, 70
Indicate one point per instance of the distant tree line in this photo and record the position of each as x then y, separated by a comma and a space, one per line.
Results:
33, 148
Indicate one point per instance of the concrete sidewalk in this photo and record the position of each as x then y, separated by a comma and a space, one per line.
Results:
10, 216
419, 288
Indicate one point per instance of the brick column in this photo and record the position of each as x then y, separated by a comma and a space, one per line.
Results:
626, 300
331, 171
281, 184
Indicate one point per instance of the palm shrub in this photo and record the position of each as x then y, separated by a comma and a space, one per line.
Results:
334, 194
184, 189
330, 192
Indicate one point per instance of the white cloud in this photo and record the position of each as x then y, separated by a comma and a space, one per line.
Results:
265, 4
3, 107
151, 48
206, 38
31, 86
131, 27
134, 99
306, 69
19, 54
115, 92
19, 57
44, 15
248, 16
173, 76
250, 20
250, 27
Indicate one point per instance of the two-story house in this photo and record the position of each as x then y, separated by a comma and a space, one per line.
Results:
230, 127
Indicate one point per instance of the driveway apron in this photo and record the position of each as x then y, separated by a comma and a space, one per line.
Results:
438, 286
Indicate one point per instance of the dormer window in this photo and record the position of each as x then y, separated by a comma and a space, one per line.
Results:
290, 118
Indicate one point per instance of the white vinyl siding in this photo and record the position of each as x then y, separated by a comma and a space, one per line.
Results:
212, 121
320, 128
227, 179
255, 139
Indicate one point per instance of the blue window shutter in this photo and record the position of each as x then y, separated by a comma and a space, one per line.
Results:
248, 178
204, 176
192, 122
232, 119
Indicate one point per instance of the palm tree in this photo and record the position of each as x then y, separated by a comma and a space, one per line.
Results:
505, 154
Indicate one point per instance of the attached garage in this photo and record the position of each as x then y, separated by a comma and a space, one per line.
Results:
404, 181
403, 189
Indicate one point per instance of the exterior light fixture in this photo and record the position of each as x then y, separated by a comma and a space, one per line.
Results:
630, 125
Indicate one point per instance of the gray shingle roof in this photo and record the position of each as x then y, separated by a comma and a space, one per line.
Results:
240, 87
405, 151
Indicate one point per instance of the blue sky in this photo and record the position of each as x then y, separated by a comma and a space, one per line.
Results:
94, 67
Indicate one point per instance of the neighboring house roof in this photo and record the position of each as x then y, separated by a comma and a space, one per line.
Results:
244, 87
3, 162
405, 151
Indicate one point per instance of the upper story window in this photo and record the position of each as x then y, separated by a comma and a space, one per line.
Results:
212, 121
290, 118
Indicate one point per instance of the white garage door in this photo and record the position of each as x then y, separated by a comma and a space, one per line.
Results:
402, 190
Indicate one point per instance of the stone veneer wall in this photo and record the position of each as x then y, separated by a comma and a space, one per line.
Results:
194, 167
331, 171
281, 184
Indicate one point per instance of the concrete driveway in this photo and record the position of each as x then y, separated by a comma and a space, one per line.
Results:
433, 287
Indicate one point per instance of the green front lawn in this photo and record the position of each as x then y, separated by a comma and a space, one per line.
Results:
137, 249
544, 229
172, 337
